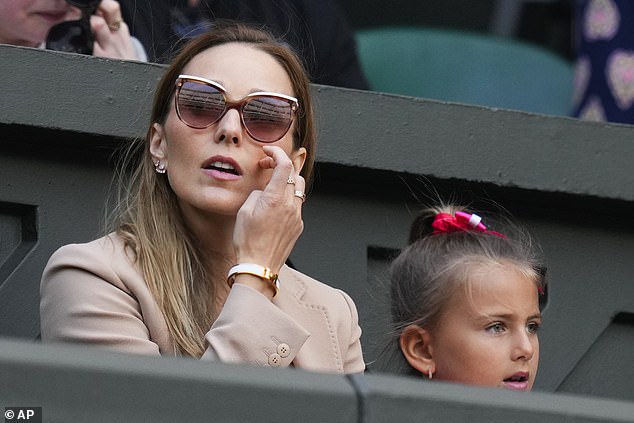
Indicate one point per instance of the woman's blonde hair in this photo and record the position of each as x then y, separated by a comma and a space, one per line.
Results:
147, 215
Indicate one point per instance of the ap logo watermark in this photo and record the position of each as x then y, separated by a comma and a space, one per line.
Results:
23, 414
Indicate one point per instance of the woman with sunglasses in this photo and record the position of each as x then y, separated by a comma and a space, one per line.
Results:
209, 215
28, 23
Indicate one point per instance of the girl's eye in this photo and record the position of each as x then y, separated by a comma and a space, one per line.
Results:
533, 327
496, 328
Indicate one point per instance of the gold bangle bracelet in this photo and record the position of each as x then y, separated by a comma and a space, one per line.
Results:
256, 270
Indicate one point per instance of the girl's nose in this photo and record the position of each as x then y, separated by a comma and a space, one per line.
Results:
524, 346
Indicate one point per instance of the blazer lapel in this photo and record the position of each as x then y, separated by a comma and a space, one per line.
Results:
321, 351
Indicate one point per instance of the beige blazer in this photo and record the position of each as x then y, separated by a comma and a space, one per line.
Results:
93, 294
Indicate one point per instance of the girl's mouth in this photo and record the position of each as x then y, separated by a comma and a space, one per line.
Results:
518, 382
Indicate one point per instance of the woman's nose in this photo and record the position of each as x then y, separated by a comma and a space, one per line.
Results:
229, 127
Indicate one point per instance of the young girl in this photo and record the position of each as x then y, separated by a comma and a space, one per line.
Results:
465, 301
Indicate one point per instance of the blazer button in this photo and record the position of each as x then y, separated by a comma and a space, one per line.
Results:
275, 360
283, 350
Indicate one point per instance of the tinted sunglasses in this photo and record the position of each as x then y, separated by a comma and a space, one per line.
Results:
74, 36
201, 102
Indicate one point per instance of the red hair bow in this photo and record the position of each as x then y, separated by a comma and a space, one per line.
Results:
461, 222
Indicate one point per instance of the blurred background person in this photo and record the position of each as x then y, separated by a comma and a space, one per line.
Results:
28, 23
604, 66
318, 31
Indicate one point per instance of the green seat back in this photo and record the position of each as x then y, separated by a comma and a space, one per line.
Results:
466, 68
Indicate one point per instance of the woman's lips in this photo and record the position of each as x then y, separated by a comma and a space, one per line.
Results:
221, 175
222, 168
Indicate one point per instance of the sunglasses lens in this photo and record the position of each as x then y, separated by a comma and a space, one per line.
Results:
199, 105
267, 119
70, 36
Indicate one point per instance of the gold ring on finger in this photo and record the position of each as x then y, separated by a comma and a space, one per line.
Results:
300, 194
116, 25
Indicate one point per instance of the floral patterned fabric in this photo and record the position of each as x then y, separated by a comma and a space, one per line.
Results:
604, 68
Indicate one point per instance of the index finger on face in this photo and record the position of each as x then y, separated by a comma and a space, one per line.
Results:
281, 172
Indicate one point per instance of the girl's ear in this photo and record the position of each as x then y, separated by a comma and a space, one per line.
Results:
298, 157
158, 146
416, 347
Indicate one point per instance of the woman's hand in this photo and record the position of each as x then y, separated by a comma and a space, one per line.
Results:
112, 36
270, 221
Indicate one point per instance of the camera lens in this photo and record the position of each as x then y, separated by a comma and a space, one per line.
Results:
70, 36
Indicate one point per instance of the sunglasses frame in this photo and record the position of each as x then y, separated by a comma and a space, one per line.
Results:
238, 105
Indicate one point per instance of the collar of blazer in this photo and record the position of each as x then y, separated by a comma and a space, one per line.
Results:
309, 303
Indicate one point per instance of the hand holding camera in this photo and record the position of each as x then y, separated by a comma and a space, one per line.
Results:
99, 31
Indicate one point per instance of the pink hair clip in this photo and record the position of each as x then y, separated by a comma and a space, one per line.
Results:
461, 222
473, 220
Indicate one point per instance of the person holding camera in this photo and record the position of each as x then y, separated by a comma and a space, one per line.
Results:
82, 26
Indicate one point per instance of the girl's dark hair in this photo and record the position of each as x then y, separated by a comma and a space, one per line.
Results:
433, 266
